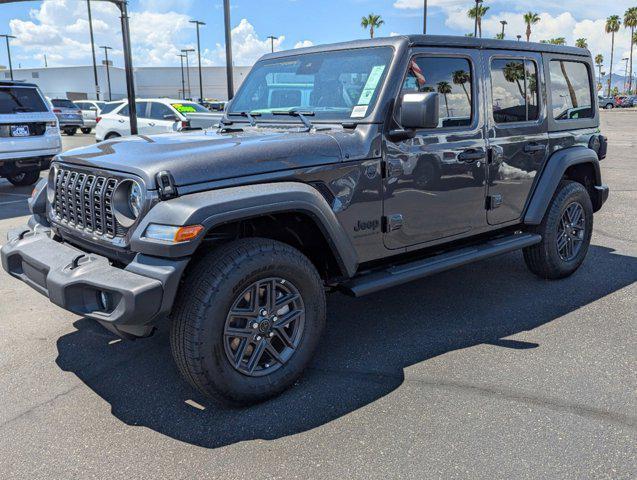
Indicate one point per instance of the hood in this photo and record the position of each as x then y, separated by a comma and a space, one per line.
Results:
205, 156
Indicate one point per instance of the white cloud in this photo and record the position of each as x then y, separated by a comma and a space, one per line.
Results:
303, 44
247, 47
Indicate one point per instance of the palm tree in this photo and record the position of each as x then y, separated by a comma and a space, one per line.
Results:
581, 43
445, 88
372, 22
514, 72
599, 61
530, 18
555, 41
462, 77
477, 13
630, 21
612, 26
499, 36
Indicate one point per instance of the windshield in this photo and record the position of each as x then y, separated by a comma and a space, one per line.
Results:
63, 103
336, 85
21, 99
188, 107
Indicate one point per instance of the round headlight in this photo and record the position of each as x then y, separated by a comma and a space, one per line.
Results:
135, 199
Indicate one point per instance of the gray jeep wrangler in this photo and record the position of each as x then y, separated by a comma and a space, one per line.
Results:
352, 167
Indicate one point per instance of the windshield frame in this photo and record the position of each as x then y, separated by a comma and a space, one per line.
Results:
372, 111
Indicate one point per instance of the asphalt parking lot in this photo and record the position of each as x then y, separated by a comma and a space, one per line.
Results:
481, 372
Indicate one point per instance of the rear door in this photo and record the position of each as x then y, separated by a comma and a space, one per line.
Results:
161, 118
517, 133
434, 183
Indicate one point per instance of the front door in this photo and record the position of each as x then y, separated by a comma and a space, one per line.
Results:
517, 133
434, 183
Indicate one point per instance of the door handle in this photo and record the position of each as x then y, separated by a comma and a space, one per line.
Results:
121, 121
151, 124
534, 148
471, 155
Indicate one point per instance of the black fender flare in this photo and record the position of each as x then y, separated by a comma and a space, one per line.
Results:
217, 207
552, 175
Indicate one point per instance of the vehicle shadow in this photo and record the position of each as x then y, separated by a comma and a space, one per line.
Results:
367, 345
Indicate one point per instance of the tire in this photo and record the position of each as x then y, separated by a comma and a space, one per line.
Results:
112, 135
545, 259
203, 350
70, 131
609, 106
86, 131
24, 179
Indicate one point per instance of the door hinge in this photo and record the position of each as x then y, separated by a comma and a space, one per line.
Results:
392, 223
493, 201
383, 169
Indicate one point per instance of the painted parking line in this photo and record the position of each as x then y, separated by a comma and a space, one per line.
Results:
11, 201
22, 195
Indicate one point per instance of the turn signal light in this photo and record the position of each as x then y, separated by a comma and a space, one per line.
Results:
185, 234
173, 234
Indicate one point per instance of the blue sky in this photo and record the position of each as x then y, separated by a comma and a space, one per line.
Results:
160, 27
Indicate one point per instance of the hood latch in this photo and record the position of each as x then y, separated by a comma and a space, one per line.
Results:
166, 185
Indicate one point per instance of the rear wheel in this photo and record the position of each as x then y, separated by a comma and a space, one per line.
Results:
70, 131
24, 179
247, 320
86, 131
566, 233
112, 135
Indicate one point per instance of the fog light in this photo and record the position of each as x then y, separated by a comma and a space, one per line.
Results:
105, 301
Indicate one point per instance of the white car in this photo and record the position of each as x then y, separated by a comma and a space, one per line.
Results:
29, 133
91, 109
155, 115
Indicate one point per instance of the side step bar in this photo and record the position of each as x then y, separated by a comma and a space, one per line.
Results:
393, 276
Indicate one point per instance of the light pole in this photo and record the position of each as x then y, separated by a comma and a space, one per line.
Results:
90, 29
183, 82
504, 24
424, 18
475, 26
198, 23
186, 51
7, 37
272, 39
108, 73
229, 72
625, 72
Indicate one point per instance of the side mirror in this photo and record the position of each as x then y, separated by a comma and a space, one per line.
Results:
420, 110
170, 117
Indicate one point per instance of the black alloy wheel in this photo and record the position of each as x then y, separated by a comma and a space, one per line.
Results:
570, 235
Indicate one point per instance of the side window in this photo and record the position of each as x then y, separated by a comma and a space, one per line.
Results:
451, 78
514, 90
81, 105
159, 110
570, 90
139, 106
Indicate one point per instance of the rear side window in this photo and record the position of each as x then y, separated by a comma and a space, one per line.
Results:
109, 107
140, 107
570, 90
21, 99
515, 90
451, 78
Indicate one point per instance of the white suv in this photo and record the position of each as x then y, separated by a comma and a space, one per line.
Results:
155, 115
91, 109
29, 133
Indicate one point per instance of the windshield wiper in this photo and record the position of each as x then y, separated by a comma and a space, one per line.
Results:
301, 114
248, 115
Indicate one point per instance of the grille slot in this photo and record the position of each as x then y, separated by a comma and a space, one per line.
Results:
84, 201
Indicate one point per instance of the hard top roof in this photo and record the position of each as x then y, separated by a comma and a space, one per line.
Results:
16, 83
439, 41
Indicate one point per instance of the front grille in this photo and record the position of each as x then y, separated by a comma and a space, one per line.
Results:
84, 201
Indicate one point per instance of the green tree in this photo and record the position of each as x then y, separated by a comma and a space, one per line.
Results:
514, 73
444, 88
612, 26
555, 41
373, 22
499, 36
581, 43
630, 21
530, 18
477, 13
599, 61
462, 77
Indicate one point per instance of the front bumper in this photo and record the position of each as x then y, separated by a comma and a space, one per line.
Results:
75, 280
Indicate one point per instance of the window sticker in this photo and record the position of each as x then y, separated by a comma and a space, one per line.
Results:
370, 86
359, 111
181, 108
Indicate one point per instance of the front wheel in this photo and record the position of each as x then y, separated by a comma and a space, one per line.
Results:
566, 233
247, 320
24, 179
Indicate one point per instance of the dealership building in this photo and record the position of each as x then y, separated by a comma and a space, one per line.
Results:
77, 83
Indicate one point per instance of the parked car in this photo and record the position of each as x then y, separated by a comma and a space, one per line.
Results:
91, 109
69, 115
237, 235
618, 100
606, 102
155, 115
29, 133
628, 101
